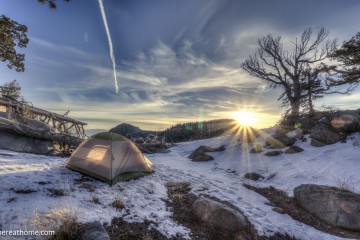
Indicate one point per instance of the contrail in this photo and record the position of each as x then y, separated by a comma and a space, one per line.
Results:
110, 43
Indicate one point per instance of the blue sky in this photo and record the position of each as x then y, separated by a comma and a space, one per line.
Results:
176, 60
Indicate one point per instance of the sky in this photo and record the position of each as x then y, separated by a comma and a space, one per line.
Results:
175, 60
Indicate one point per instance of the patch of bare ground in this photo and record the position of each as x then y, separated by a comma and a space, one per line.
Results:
181, 200
289, 205
121, 230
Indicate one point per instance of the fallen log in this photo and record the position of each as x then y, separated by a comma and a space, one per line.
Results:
23, 129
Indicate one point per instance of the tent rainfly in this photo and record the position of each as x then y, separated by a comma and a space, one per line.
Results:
109, 157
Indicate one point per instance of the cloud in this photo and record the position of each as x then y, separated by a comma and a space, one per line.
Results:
60, 48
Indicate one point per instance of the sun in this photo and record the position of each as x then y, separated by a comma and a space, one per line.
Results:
246, 118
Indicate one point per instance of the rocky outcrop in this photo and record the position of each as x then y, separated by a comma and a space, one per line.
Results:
347, 120
337, 207
218, 215
21, 143
95, 231
279, 140
335, 127
38, 124
325, 133
199, 154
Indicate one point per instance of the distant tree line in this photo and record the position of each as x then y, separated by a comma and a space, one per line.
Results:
181, 132
198, 130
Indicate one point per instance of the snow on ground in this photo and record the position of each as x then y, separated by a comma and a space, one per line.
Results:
145, 197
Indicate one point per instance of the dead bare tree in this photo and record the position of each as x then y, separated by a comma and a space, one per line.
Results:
284, 69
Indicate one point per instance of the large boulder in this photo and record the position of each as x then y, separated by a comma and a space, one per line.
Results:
279, 140
95, 231
347, 120
199, 154
317, 143
327, 134
202, 158
218, 215
337, 207
335, 127
21, 143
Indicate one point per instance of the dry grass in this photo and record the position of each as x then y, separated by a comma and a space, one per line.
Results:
345, 184
118, 204
56, 192
61, 220
95, 199
88, 187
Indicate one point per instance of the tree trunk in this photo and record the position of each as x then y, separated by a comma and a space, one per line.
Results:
311, 106
294, 114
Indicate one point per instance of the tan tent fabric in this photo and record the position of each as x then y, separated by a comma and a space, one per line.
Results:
109, 160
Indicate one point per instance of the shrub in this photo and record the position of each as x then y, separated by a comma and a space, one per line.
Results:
345, 184
118, 204
61, 220
56, 192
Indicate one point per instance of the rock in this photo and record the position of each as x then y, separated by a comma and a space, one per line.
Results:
297, 133
347, 120
326, 134
95, 231
138, 140
279, 140
279, 210
202, 158
304, 139
21, 143
317, 143
294, 149
356, 143
337, 207
253, 176
199, 154
38, 124
218, 215
256, 149
273, 153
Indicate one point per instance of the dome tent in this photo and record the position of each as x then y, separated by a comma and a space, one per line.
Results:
109, 157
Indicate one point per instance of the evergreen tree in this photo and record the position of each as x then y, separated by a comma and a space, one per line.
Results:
11, 89
12, 35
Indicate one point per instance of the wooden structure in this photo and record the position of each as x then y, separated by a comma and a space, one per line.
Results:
60, 125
